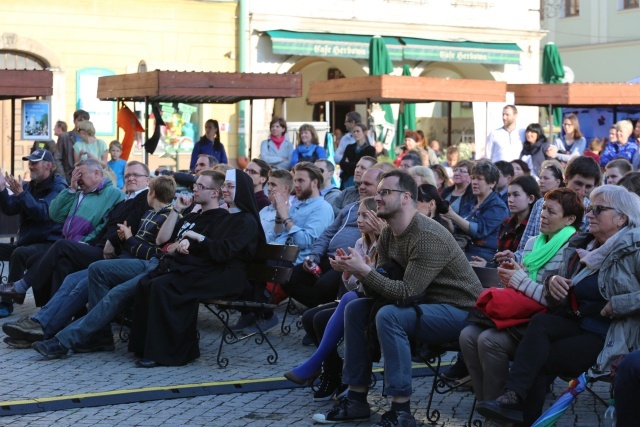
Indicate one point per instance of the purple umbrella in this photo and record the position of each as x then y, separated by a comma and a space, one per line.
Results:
556, 410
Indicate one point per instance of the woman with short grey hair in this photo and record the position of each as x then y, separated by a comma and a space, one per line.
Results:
595, 299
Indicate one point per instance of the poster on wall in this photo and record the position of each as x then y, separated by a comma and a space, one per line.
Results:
36, 120
103, 113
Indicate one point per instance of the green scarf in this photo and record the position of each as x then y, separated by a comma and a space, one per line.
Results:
544, 249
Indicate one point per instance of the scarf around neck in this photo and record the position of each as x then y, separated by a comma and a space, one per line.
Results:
544, 249
593, 256
277, 141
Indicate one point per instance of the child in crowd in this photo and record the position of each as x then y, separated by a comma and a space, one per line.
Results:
596, 145
116, 164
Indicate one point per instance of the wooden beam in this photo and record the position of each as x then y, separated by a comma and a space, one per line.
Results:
394, 89
576, 94
25, 83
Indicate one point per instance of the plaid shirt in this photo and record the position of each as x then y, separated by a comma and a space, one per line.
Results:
510, 234
533, 226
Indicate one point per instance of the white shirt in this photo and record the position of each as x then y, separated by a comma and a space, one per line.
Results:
504, 145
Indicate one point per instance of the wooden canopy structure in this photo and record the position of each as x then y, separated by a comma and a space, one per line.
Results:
406, 89
15, 84
198, 88
576, 94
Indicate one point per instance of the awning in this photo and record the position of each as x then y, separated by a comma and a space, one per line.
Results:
198, 87
470, 52
357, 46
325, 44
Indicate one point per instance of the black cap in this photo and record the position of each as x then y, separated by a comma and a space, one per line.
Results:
40, 155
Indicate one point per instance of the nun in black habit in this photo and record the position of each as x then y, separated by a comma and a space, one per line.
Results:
166, 302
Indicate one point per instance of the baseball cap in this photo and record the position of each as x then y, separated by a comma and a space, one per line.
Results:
40, 155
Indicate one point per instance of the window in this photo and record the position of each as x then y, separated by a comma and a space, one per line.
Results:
571, 8
628, 4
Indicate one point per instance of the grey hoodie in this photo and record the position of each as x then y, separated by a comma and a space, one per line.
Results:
342, 233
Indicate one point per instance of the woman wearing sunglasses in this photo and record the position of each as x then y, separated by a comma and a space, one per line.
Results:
593, 300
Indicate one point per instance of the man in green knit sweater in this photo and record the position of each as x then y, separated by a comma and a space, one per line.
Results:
434, 268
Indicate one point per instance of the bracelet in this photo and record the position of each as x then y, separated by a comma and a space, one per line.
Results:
287, 220
278, 221
177, 211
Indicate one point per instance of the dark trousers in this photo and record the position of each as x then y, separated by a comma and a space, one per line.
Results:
626, 389
18, 256
314, 322
552, 345
311, 291
63, 258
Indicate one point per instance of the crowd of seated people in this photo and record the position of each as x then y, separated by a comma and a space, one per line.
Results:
370, 253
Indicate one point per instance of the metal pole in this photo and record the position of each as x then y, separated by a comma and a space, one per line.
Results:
550, 122
449, 122
145, 155
13, 136
250, 127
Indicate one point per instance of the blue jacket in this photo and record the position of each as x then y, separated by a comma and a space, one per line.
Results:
484, 222
205, 146
613, 150
33, 207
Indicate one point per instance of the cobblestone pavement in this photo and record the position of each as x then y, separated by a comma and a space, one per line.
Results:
26, 375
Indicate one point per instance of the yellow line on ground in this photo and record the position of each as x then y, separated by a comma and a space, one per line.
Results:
145, 389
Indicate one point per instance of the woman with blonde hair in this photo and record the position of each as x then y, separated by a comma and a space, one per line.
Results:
309, 149
624, 147
422, 175
90, 147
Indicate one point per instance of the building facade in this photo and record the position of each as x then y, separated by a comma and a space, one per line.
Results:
80, 42
598, 39
475, 39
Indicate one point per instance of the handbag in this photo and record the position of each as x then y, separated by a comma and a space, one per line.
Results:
507, 307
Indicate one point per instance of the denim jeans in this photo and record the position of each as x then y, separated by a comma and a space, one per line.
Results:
112, 285
70, 298
440, 323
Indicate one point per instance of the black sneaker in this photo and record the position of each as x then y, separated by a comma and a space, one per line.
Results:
456, 372
394, 418
329, 383
345, 411
341, 391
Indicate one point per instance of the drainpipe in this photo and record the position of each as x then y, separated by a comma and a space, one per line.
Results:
243, 127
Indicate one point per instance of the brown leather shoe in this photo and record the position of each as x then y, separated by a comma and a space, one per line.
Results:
8, 293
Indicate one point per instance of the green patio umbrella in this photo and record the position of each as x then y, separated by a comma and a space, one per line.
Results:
406, 116
553, 72
379, 64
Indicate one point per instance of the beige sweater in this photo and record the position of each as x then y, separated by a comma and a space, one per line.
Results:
432, 260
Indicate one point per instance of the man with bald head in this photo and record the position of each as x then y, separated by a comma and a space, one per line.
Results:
310, 290
351, 194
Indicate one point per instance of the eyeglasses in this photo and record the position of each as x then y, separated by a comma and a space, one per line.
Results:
598, 209
228, 186
386, 191
200, 187
458, 170
134, 175
251, 172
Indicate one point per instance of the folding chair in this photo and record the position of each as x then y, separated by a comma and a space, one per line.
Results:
258, 271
